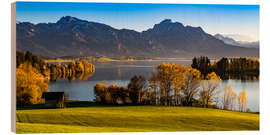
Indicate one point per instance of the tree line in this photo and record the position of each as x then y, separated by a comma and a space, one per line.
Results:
33, 75
171, 85
80, 69
229, 68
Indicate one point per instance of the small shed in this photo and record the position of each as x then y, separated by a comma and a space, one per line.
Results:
54, 99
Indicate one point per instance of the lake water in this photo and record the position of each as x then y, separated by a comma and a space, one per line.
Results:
120, 72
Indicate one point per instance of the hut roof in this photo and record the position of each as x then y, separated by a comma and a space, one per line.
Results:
52, 95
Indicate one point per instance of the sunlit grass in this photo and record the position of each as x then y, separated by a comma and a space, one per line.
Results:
133, 118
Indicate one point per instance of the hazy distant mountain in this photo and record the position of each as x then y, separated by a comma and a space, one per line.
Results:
231, 41
71, 36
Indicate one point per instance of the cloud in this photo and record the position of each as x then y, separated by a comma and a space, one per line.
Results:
242, 38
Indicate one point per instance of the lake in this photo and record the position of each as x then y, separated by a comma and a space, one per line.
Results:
119, 72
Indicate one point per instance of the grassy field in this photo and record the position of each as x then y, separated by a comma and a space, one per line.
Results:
131, 119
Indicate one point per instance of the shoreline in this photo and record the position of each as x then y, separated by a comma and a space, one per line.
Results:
109, 59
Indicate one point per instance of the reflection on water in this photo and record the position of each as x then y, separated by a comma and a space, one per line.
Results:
120, 73
252, 90
71, 77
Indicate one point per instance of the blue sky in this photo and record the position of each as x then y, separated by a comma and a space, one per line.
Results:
242, 20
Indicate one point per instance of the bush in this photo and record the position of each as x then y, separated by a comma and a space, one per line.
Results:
113, 94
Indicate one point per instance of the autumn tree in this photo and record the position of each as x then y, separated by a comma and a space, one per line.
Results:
178, 81
242, 101
176, 84
118, 93
88, 67
112, 94
30, 84
190, 87
170, 77
228, 98
79, 67
154, 89
136, 87
165, 77
209, 88
101, 92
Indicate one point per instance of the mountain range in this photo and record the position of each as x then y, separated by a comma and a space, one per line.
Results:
231, 41
71, 36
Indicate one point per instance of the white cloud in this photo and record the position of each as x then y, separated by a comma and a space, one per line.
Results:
243, 38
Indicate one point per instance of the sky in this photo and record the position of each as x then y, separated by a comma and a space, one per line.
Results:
241, 20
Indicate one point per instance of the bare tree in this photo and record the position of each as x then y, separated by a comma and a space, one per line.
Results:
209, 89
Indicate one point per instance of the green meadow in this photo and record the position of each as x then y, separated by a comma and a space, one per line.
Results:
132, 119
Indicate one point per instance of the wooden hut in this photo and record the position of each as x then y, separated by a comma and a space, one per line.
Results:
54, 99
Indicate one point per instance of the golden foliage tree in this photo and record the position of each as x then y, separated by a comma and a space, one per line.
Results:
229, 97
170, 77
242, 101
190, 87
30, 84
175, 84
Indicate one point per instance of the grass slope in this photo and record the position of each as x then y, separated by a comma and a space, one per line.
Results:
132, 118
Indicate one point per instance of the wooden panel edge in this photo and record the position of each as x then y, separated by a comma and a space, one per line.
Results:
13, 67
